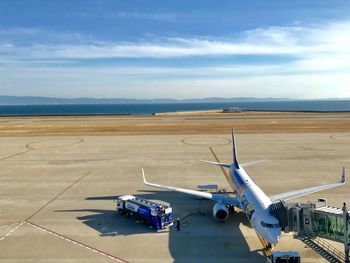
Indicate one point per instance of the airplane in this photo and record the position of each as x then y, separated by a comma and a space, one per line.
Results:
248, 197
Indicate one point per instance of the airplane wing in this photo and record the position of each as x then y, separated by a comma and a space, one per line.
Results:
215, 197
298, 193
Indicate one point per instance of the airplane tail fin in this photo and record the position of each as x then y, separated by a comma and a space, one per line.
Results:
235, 162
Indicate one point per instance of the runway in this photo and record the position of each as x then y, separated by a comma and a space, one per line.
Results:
38, 197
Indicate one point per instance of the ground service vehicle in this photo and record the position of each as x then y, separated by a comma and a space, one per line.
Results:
284, 257
155, 215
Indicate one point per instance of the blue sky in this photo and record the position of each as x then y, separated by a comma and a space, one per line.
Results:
175, 49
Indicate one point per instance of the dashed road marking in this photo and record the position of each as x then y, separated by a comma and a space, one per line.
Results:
76, 242
13, 230
11, 224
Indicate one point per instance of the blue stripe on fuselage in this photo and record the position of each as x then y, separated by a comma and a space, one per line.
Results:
238, 181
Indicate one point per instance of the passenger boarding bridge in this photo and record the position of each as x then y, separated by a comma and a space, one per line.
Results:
315, 221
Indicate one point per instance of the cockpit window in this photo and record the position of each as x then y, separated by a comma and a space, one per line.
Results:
269, 225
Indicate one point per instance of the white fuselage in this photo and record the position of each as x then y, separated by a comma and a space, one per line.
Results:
255, 203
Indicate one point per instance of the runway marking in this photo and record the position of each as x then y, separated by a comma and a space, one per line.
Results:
215, 141
13, 230
267, 251
31, 148
31, 145
15, 223
221, 168
61, 193
77, 242
343, 138
20, 153
16, 154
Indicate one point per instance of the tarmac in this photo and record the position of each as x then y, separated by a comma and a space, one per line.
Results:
57, 194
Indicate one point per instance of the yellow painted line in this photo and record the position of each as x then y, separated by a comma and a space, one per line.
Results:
222, 168
267, 251
217, 159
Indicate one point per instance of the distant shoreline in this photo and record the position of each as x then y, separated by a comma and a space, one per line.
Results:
173, 109
160, 114
264, 111
7, 100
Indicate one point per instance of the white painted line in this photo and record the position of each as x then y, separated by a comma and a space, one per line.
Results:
13, 230
10, 224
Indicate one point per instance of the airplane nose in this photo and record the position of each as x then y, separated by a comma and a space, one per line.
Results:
275, 238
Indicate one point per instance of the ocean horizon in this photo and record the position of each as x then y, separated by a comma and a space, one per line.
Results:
154, 108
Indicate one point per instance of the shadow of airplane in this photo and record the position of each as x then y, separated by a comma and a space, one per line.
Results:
201, 239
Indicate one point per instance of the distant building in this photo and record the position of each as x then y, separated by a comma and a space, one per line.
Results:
232, 109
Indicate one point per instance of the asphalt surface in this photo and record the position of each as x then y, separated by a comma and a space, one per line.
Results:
56, 202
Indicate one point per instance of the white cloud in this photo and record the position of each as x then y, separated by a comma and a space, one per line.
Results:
317, 66
134, 82
293, 40
168, 49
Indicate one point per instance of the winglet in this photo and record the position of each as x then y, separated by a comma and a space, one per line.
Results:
343, 176
143, 175
235, 162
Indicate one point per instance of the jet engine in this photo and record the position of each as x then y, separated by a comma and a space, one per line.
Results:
220, 211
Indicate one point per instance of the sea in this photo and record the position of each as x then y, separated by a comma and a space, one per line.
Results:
153, 108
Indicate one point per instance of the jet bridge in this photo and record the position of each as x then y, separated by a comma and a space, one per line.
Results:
314, 220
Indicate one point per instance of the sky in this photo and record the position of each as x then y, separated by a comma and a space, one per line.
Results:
175, 49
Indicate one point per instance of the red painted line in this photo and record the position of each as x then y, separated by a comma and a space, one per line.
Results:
61, 193
28, 146
78, 243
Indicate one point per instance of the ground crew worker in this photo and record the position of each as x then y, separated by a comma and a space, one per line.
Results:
178, 224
